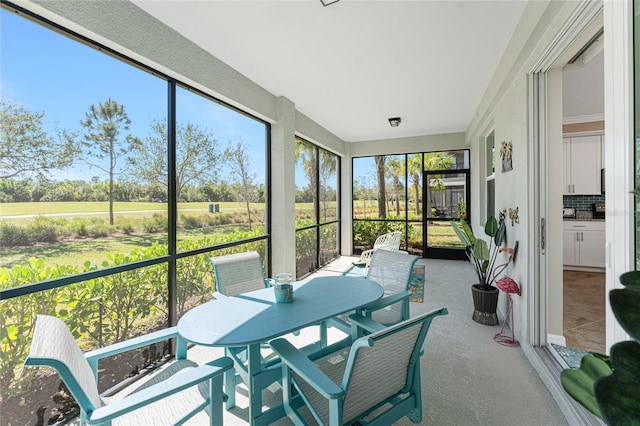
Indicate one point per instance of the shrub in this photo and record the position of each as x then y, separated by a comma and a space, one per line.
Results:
12, 235
43, 230
80, 227
157, 223
190, 222
126, 226
99, 229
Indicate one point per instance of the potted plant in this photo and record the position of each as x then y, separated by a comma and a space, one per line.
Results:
483, 257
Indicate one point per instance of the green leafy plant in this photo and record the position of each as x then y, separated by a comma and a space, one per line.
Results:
608, 386
482, 255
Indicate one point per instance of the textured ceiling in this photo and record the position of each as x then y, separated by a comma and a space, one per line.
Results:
352, 65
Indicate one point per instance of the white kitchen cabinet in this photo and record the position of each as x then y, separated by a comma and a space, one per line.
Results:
583, 244
582, 164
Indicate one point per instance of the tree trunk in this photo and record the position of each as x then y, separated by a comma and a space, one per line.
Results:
416, 190
111, 193
382, 205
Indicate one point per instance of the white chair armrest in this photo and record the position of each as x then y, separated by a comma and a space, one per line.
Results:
365, 256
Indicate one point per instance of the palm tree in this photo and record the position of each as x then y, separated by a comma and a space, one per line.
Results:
396, 169
437, 161
307, 154
382, 203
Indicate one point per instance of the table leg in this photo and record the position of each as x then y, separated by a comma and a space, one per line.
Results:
254, 367
230, 385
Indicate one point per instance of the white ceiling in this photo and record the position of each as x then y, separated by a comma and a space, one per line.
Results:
352, 65
583, 89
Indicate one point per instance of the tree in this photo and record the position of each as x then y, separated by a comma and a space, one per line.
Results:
382, 203
25, 148
328, 167
197, 157
238, 161
103, 124
414, 174
306, 154
396, 169
435, 161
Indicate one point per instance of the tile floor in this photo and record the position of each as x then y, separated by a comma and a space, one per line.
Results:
584, 310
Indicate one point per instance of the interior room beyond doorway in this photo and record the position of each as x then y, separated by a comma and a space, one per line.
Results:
584, 310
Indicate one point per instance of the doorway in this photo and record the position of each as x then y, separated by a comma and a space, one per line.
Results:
583, 272
446, 195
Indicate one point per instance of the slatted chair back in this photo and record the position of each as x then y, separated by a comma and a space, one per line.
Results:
390, 241
238, 273
379, 370
53, 346
392, 270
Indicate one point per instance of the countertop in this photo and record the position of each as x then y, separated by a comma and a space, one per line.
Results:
585, 216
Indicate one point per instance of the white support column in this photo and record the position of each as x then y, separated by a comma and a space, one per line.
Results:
283, 206
346, 203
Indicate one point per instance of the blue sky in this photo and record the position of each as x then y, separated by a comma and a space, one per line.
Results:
44, 71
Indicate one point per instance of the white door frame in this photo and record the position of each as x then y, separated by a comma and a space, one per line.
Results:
619, 166
619, 151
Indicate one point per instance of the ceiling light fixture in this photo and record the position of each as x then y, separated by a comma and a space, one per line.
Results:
395, 122
328, 2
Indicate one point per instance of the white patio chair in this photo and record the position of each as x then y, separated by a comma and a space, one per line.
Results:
378, 377
390, 241
171, 395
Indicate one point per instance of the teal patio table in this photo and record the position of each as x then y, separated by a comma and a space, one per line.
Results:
250, 319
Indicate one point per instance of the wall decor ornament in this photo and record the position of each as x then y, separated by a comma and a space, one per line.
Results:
514, 215
505, 155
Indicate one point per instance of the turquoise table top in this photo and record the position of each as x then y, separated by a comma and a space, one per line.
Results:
256, 317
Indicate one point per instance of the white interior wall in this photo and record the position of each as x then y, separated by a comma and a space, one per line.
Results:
506, 106
510, 186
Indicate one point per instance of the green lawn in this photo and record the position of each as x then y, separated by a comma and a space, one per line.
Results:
78, 251
15, 209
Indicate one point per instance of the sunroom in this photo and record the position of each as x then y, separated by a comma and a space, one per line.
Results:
141, 138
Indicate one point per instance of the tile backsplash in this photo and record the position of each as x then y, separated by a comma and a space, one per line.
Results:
582, 202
